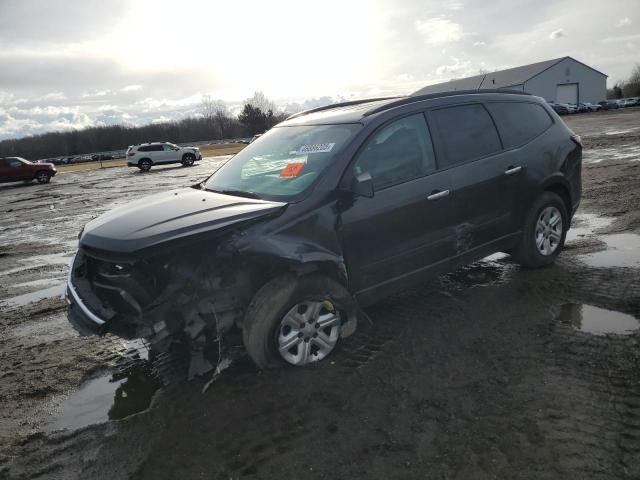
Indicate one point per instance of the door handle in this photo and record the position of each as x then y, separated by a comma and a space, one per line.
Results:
437, 194
512, 170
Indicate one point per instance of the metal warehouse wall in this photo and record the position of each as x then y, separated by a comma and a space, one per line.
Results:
592, 86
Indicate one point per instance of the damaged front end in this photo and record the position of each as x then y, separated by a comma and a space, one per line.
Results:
183, 296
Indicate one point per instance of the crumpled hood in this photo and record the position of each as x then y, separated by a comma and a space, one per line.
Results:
169, 216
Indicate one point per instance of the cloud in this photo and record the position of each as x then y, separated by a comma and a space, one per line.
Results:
623, 22
439, 30
131, 88
479, 44
556, 34
456, 69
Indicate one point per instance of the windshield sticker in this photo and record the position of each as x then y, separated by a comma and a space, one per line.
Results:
315, 148
292, 169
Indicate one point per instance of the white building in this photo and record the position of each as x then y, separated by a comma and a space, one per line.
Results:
562, 80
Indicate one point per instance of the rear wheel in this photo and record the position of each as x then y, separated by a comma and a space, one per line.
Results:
293, 321
43, 177
144, 165
544, 232
188, 159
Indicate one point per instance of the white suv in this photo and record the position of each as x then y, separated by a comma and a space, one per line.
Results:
145, 155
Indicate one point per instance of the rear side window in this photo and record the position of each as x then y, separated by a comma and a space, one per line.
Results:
466, 133
143, 149
519, 122
397, 153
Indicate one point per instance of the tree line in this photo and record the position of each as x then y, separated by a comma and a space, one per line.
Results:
627, 88
213, 122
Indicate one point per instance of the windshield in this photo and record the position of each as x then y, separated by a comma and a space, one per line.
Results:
283, 162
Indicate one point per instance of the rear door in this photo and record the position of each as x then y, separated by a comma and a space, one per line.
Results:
485, 179
406, 226
520, 125
4, 170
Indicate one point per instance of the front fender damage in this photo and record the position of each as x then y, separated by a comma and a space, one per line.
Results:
196, 296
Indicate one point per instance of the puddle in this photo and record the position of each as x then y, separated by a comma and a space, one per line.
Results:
623, 250
31, 297
626, 152
112, 396
597, 321
585, 224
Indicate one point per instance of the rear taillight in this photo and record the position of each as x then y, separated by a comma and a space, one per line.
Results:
576, 139
131, 154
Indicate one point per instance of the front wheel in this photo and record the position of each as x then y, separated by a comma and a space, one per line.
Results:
43, 177
294, 321
544, 232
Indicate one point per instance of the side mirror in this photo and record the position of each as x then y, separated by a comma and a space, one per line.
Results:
362, 185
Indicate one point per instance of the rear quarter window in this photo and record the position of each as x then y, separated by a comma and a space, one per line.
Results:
466, 133
519, 122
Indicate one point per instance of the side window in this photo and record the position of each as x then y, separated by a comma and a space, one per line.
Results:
397, 153
4, 162
143, 149
519, 122
14, 162
155, 148
466, 132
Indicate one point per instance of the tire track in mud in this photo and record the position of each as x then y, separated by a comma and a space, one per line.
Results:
591, 387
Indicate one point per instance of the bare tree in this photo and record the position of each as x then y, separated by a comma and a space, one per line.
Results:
221, 117
631, 87
207, 107
259, 100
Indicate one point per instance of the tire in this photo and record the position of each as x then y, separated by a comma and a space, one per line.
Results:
43, 177
188, 159
541, 240
144, 165
268, 322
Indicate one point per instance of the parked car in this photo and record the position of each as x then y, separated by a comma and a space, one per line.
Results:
609, 105
559, 108
15, 169
328, 212
582, 108
632, 102
145, 155
592, 107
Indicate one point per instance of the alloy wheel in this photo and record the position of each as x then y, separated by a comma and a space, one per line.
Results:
308, 332
548, 231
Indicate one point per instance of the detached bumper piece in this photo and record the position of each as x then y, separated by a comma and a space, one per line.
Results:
81, 318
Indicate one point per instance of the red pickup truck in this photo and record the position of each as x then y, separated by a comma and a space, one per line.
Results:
15, 169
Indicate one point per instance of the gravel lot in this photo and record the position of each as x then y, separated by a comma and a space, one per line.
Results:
488, 372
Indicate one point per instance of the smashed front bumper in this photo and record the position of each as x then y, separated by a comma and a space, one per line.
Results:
81, 318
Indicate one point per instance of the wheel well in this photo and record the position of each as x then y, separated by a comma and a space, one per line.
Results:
143, 159
40, 171
563, 193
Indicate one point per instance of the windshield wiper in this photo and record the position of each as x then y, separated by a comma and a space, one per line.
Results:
237, 193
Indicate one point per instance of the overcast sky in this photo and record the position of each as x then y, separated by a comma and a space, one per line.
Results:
74, 63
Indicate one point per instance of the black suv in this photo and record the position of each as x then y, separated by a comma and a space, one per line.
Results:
327, 213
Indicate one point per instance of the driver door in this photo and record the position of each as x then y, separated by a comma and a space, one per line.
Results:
407, 226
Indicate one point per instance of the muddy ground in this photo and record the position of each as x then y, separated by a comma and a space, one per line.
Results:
488, 372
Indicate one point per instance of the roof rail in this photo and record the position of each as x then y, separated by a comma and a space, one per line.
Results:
418, 98
336, 105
